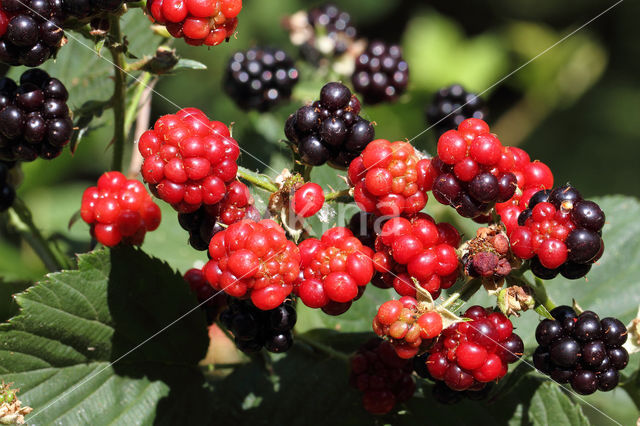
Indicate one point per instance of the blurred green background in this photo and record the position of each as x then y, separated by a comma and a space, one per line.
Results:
576, 107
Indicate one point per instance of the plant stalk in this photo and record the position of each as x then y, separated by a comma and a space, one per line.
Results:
256, 179
458, 299
132, 109
540, 294
338, 195
47, 251
119, 92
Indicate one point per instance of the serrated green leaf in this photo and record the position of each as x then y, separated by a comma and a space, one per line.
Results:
74, 324
551, 406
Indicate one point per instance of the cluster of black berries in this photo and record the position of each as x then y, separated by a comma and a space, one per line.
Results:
451, 106
260, 78
34, 117
30, 31
330, 130
582, 350
382, 376
211, 300
334, 24
7, 191
381, 75
254, 329
582, 219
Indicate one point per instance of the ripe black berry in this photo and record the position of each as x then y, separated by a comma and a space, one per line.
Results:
33, 33
253, 328
583, 245
34, 117
582, 350
484, 187
381, 74
260, 78
588, 214
451, 106
330, 130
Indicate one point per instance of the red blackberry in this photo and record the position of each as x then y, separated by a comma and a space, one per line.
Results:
581, 350
212, 302
253, 259
330, 130
188, 159
408, 325
308, 199
473, 171
255, 328
451, 106
119, 210
7, 190
383, 378
208, 22
30, 31
334, 271
205, 222
467, 355
390, 179
417, 251
381, 74
260, 78
560, 232
34, 117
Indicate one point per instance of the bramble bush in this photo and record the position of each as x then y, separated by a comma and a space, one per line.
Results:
350, 274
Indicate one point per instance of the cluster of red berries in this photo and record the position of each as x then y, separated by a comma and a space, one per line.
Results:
417, 251
390, 179
473, 171
188, 159
205, 222
119, 210
213, 302
253, 259
407, 326
382, 376
30, 31
469, 354
582, 350
208, 22
560, 232
308, 199
334, 271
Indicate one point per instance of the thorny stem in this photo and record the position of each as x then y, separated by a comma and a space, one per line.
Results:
322, 347
119, 92
53, 259
457, 299
257, 179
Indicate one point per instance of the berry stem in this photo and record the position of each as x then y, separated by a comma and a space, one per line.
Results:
119, 92
256, 179
49, 253
339, 196
458, 299
321, 347
142, 4
541, 296
132, 109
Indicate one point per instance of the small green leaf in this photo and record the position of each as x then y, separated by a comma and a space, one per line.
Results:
551, 406
189, 64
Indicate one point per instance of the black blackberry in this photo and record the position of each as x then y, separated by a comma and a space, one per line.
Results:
584, 240
581, 350
331, 33
381, 75
260, 78
363, 225
451, 106
208, 220
253, 328
34, 117
330, 130
7, 190
30, 31
85, 9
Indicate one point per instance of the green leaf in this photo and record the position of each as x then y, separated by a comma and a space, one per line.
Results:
551, 406
74, 324
189, 64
